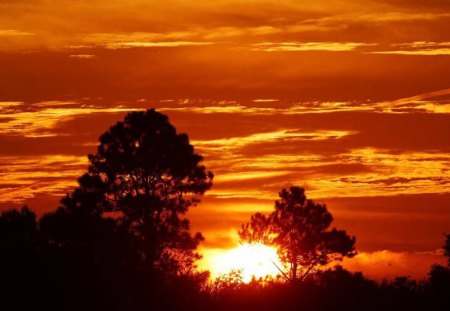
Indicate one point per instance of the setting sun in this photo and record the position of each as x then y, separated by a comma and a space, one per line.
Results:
251, 260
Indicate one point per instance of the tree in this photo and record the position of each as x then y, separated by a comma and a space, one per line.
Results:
299, 228
439, 276
147, 175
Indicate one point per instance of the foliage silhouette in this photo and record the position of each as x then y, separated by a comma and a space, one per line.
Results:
439, 279
299, 228
149, 176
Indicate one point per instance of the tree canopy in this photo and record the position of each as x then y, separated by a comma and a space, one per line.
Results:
300, 229
147, 175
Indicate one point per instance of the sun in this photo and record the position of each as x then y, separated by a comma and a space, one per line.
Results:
252, 260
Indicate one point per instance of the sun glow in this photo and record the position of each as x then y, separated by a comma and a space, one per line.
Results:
251, 260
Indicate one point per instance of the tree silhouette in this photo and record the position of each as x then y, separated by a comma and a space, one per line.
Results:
299, 227
439, 278
148, 176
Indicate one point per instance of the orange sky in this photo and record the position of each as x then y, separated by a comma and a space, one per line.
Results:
350, 99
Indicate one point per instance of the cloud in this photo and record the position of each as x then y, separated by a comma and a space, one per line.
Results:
292, 109
250, 175
279, 135
417, 103
419, 48
145, 23
392, 174
23, 178
82, 56
140, 44
402, 16
14, 33
425, 102
272, 153
265, 100
307, 46
41, 119
388, 265
425, 52
9, 107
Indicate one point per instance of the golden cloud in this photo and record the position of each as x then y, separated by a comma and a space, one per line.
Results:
24, 177
307, 46
14, 33
41, 122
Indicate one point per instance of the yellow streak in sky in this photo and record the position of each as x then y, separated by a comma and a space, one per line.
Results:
27, 176
40, 123
146, 44
248, 175
425, 52
307, 46
235, 142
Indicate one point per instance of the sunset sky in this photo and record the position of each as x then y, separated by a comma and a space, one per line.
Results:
348, 98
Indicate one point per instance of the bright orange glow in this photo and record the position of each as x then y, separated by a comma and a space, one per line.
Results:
251, 260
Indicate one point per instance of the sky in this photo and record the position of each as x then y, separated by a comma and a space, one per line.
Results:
347, 98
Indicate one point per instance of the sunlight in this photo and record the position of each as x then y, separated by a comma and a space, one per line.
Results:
253, 260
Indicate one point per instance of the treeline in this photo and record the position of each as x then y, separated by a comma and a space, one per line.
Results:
121, 241
97, 268
72, 261
336, 289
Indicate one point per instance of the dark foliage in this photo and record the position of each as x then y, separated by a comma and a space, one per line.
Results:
300, 229
54, 265
439, 279
148, 176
